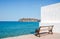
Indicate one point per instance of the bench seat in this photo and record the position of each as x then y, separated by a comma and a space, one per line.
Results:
44, 29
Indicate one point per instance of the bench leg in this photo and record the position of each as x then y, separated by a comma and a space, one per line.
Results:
50, 32
37, 34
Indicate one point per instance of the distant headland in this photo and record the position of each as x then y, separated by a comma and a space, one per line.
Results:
29, 20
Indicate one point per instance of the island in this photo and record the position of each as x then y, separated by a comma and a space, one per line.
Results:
29, 20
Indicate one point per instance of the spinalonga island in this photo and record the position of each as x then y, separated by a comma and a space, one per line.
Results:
29, 20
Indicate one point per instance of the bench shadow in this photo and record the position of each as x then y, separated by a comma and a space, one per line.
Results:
43, 34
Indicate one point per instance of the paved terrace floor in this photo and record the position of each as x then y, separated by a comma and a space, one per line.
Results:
43, 36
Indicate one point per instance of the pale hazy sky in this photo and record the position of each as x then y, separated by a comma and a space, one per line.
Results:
12, 10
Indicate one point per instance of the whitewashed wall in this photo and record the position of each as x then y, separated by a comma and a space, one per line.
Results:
50, 15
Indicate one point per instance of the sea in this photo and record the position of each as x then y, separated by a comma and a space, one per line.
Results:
15, 28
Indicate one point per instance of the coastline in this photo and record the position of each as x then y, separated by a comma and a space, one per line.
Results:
31, 36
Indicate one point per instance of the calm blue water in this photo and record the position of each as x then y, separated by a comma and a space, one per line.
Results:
13, 28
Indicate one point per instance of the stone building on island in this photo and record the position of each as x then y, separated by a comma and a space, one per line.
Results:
29, 20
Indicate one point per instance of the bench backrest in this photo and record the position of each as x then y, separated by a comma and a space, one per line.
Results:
49, 27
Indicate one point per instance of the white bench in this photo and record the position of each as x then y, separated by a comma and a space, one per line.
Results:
47, 29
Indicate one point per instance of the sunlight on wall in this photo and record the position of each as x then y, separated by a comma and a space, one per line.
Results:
50, 13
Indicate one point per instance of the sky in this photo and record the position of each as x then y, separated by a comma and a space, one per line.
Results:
13, 10
49, 2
